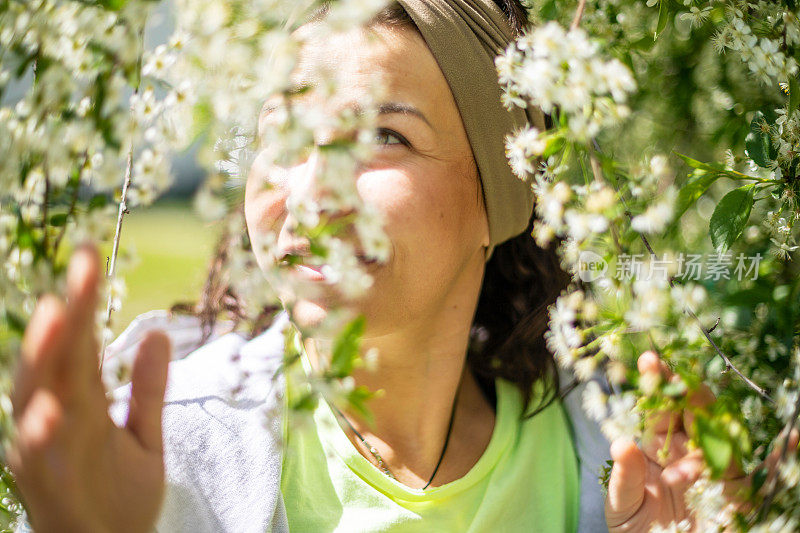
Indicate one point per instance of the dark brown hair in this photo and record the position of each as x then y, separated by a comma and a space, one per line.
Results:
520, 281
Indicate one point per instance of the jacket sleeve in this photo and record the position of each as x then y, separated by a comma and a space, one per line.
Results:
221, 428
593, 451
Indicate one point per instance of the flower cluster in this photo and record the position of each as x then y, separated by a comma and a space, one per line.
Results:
764, 56
562, 70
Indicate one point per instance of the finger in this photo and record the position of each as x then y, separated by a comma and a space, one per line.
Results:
149, 380
679, 477
41, 347
650, 362
662, 421
654, 446
698, 399
37, 428
685, 471
83, 281
653, 369
626, 485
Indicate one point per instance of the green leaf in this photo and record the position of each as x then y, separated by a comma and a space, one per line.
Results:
663, 17
98, 201
202, 116
717, 448
553, 146
58, 220
794, 95
306, 402
550, 10
345, 348
114, 5
674, 390
357, 398
758, 142
695, 188
15, 323
748, 297
759, 477
710, 167
730, 217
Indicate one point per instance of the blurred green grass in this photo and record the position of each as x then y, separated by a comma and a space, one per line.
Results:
173, 247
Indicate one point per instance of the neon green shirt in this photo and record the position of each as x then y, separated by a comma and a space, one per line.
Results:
526, 480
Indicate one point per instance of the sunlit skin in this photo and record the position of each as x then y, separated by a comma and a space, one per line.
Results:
78, 471
421, 304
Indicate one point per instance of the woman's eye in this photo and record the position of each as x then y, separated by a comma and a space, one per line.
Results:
383, 134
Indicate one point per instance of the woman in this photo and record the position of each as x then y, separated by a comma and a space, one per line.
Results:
450, 448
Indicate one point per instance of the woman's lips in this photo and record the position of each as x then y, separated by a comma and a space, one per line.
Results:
311, 272
314, 272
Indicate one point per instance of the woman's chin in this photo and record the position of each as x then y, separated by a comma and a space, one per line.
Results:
308, 314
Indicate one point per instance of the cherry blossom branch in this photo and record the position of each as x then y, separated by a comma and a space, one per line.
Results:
597, 172
598, 176
707, 333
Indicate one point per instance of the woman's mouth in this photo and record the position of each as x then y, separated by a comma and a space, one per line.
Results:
311, 272
316, 272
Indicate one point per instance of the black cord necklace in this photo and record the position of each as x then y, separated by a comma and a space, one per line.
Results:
379, 459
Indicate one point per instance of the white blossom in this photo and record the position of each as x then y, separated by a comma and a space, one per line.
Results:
657, 215
594, 401
623, 420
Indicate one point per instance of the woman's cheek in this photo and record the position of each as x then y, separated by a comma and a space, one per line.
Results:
261, 213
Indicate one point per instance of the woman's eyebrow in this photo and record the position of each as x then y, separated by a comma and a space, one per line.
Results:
405, 109
386, 108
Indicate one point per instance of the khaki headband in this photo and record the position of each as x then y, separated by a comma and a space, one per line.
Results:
465, 36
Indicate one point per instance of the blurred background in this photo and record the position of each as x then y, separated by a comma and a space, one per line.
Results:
171, 243
172, 246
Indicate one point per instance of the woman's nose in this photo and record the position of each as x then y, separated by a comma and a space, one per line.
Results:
302, 179
310, 190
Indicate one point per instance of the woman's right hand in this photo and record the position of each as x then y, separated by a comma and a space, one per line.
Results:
76, 470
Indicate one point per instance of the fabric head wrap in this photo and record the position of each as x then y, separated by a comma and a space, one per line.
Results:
465, 36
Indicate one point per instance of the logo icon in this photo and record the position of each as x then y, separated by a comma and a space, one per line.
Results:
591, 266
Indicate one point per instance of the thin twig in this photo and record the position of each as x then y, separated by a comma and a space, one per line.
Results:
111, 267
576, 20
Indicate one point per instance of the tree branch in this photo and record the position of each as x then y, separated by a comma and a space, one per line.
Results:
112, 267
598, 176
123, 210
576, 20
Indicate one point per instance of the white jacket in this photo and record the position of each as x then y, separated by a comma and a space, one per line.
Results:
223, 455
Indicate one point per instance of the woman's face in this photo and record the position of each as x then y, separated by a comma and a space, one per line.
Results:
422, 179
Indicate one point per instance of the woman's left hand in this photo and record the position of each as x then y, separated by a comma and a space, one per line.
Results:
645, 490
